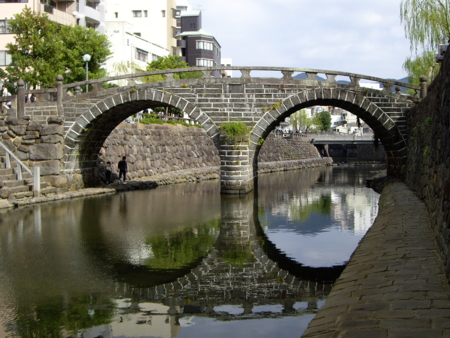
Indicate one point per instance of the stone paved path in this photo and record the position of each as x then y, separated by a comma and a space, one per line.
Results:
394, 284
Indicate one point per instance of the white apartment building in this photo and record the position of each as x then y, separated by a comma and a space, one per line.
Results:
140, 31
89, 13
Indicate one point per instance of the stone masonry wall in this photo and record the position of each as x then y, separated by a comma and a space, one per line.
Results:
428, 160
157, 149
37, 144
150, 150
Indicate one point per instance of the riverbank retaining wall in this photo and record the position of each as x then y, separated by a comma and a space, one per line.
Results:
150, 150
158, 149
428, 160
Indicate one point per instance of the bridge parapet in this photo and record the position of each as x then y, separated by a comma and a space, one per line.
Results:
280, 75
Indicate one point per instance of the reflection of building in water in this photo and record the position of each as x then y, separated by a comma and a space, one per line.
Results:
146, 320
351, 209
354, 211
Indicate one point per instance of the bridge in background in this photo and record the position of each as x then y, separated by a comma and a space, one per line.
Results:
341, 138
260, 102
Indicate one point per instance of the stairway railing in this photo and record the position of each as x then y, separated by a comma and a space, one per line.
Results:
36, 173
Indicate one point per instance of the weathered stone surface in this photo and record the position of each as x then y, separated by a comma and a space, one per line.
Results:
59, 181
5, 192
16, 122
48, 167
52, 129
46, 151
18, 129
33, 126
428, 159
52, 139
55, 120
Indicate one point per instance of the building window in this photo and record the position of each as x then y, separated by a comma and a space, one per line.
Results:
141, 55
155, 57
205, 63
163, 13
116, 15
204, 45
137, 14
15, 1
3, 26
5, 58
145, 14
193, 26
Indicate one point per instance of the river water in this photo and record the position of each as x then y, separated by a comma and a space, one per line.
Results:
182, 260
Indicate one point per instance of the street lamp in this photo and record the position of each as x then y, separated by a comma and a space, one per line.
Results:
86, 58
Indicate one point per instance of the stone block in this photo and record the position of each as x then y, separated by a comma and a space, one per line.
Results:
55, 120
59, 181
52, 139
52, 129
16, 122
48, 167
18, 129
5, 192
46, 151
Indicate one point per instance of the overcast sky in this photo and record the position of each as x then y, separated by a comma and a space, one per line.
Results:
356, 36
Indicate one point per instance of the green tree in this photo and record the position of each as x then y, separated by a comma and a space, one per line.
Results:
37, 56
170, 62
78, 41
323, 120
301, 121
43, 49
427, 24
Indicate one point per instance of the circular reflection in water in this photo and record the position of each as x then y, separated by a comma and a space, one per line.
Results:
317, 218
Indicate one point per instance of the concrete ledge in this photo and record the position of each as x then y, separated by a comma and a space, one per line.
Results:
394, 284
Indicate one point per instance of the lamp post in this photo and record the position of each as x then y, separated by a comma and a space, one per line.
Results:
86, 58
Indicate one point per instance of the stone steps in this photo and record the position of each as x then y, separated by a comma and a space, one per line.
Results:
19, 189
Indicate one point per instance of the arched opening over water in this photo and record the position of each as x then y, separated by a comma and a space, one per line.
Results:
93, 128
372, 114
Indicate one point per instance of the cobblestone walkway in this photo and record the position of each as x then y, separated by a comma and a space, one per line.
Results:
394, 284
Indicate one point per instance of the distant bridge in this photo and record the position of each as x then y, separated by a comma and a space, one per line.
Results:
262, 103
341, 138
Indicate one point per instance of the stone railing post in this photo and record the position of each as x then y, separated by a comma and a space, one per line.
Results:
423, 86
59, 94
20, 99
77, 90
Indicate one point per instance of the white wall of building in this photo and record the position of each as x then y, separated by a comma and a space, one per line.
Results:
124, 46
153, 20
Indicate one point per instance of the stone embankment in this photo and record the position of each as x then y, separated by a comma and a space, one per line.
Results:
394, 284
428, 161
159, 149
156, 154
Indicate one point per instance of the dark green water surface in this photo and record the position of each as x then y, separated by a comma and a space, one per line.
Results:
182, 260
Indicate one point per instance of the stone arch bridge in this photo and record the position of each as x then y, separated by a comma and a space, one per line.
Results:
260, 102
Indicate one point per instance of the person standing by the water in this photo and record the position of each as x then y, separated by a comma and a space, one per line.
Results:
123, 167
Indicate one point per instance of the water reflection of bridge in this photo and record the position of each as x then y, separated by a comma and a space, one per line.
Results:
241, 271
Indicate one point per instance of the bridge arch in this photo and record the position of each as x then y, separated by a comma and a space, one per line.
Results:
87, 134
367, 110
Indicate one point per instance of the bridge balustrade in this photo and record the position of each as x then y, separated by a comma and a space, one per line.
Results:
313, 77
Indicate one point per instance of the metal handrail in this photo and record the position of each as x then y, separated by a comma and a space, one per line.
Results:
36, 174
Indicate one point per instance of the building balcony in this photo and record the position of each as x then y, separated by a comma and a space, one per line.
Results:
57, 15
92, 14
